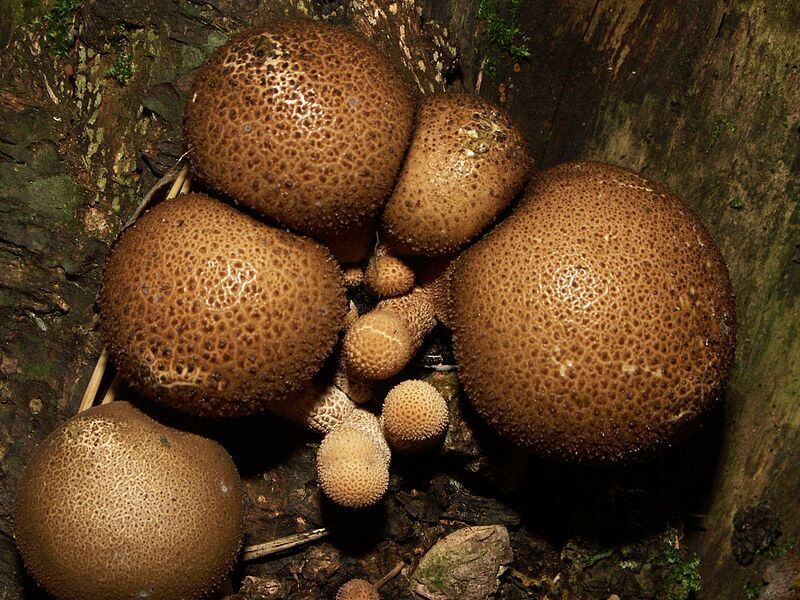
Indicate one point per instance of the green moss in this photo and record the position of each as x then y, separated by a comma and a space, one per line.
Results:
501, 25
60, 25
752, 591
682, 574
122, 69
781, 548
597, 557
722, 124
737, 204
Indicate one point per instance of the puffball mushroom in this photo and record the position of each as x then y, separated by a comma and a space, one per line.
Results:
115, 505
466, 162
302, 121
414, 417
353, 462
387, 276
597, 322
358, 589
214, 313
379, 344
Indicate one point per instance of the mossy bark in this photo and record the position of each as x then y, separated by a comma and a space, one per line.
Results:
702, 96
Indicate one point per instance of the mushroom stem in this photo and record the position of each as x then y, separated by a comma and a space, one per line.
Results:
94, 381
390, 575
282, 544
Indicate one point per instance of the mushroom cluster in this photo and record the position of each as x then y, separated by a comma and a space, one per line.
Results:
602, 293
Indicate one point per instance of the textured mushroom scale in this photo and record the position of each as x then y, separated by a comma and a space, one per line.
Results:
597, 322
304, 122
211, 312
115, 505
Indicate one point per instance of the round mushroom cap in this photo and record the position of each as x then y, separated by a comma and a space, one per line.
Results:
387, 276
305, 122
115, 505
414, 417
351, 468
596, 323
466, 162
358, 589
214, 313
377, 346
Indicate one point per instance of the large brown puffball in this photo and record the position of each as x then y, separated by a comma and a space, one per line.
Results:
597, 322
115, 505
304, 122
212, 312
466, 163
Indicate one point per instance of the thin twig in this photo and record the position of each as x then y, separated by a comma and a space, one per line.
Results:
111, 394
94, 381
283, 544
187, 182
390, 575
479, 79
177, 185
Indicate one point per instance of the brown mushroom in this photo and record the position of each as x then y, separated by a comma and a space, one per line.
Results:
597, 322
466, 162
305, 122
115, 505
414, 417
358, 589
214, 313
379, 344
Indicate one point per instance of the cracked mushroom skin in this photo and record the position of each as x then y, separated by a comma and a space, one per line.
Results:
211, 312
379, 344
414, 417
466, 162
115, 505
304, 122
610, 305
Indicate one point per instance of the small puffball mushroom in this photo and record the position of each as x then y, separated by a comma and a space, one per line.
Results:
115, 505
318, 408
414, 417
305, 122
387, 276
379, 344
597, 322
365, 421
466, 162
351, 468
353, 276
211, 312
358, 589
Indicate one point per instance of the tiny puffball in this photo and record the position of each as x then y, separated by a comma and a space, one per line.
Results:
358, 589
415, 417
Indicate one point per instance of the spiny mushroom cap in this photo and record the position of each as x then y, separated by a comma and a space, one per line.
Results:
387, 276
358, 589
351, 468
379, 344
597, 322
209, 311
302, 121
466, 163
365, 421
115, 505
414, 417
